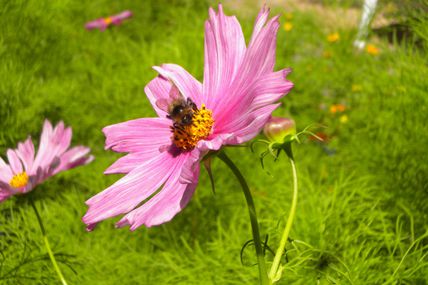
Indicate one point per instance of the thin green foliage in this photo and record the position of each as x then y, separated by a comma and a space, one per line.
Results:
362, 210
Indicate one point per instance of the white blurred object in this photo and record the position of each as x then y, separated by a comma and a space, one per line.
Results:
369, 9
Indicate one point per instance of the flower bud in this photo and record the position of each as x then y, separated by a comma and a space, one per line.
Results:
276, 129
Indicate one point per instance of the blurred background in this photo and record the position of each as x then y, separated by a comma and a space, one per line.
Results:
363, 205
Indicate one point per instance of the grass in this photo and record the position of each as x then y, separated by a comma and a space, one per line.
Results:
362, 211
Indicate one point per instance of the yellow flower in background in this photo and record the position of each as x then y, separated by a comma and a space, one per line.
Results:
288, 26
332, 38
356, 88
343, 119
372, 49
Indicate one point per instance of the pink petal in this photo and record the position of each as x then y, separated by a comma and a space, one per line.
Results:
76, 156
157, 89
4, 194
189, 87
262, 45
14, 162
190, 171
162, 207
224, 50
5, 172
267, 90
270, 88
37, 177
43, 157
130, 161
261, 20
259, 59
137, 135
96, 24
214, 142
244, 130
259, 118
53, 143
61, 138
135, 187
25, 152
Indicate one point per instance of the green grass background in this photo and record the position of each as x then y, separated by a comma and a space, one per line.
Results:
362, 212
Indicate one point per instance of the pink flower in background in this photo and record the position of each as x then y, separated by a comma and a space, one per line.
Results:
238, 95
103, 23
25, 169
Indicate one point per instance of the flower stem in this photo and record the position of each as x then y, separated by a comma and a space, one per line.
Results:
48, 247
273, 274
253, 217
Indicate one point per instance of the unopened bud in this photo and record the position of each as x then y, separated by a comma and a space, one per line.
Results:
277, 129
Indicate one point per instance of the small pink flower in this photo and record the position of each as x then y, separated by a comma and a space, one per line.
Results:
26, 170
103, 23
239, 92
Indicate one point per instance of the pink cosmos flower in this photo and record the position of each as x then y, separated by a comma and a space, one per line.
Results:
238, 95
103, 23
26, 170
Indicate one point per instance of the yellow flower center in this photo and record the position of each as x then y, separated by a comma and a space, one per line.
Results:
19, 180
108, 20
187, 136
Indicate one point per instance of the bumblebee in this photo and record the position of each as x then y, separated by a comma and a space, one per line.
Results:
180, 110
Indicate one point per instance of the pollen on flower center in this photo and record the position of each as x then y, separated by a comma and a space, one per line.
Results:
19, 180
187, 136
108, 20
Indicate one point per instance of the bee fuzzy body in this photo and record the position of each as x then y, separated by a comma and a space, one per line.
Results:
181, 110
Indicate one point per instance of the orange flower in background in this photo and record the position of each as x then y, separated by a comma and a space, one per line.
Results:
372, 49
334, 37
337, 108
288, 26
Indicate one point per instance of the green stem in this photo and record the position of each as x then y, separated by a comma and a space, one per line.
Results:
253, 217
277, 259
48, 247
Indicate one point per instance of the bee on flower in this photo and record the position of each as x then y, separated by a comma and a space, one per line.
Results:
239, 92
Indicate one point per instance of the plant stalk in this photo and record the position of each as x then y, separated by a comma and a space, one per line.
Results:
264, 280
277, 259
48, 247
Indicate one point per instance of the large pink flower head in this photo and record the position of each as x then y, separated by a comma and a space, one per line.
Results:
238, 95
26, 170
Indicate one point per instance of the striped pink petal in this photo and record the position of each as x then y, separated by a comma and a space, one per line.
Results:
136, 135
134, 188
224, 51
162, 207
15, 163
25, 153
188, 86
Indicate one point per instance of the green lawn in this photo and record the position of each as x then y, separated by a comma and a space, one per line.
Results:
363, 204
